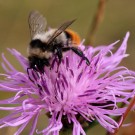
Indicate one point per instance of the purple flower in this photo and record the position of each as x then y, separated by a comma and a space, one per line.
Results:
76, 90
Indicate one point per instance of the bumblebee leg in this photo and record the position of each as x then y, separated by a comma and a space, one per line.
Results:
59, 54
29, 74
66, 49
81, 54
78, 52
46, 62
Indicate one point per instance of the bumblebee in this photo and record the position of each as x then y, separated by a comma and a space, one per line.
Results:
47, 43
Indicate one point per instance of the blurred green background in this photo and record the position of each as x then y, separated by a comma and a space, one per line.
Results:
14, 31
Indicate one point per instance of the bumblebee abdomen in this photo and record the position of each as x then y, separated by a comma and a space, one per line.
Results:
75, 38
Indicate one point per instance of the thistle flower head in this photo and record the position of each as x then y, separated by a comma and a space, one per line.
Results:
75, 91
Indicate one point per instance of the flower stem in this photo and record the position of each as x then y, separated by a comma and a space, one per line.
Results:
98, 18
123, 117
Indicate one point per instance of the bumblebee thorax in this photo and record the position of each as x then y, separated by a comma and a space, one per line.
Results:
45, 36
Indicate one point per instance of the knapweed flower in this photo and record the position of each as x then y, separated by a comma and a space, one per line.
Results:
75, 91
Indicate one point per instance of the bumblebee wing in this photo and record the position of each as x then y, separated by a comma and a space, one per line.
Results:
37, 23
60, 30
